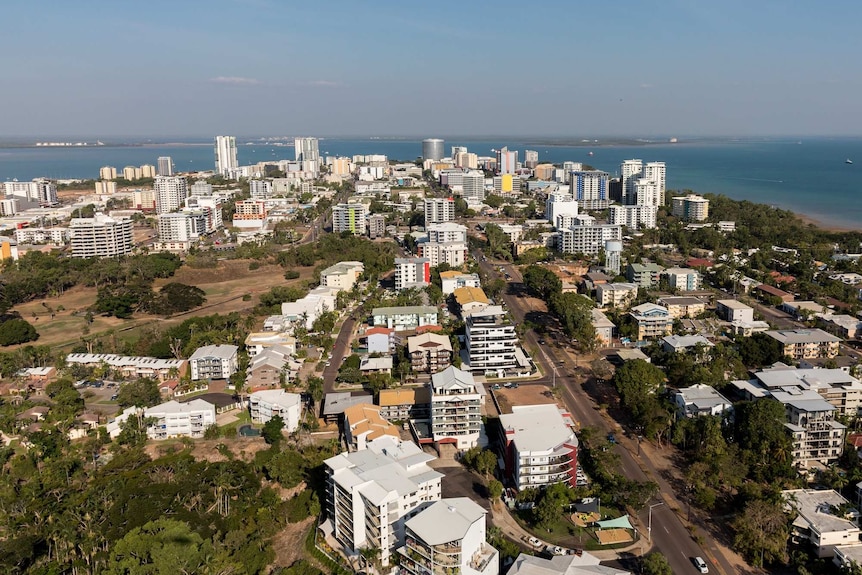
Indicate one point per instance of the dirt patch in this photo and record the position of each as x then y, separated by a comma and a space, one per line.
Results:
242, 448
289, 543
526, 394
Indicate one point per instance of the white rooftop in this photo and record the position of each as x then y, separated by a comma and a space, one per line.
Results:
446, 520
177, 407
453, 378
791, 336
538, 427
277, 397
583, 564
815, 508
219, 351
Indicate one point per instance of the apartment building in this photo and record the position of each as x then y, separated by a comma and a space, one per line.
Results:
492, 343
405, 317
214, 362
453, 254
605, 328
587, 237
371, 493
732, 310
633, 217
616, 294
349, 217
267, 368
806, 343
700, 399
401, 404
683, 306
412, 272
455, 408
170, 193
652, 321
682, 279
470, 300
820, 522
132, 366
541, 446
691, 207
174, 419
439, 210
376, 226
448, 537
53, 236
100, 237
342, 275
363, 424
454, 279
429, 352
259, 341
644, 275
268, 403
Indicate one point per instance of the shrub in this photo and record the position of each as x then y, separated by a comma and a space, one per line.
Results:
17, 330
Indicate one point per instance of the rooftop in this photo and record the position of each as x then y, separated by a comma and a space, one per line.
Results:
404, 396
335, 403
446, 520
428, 340
177, 407
816, 509
364, 419
465, 295
277, 396
219, 351
453, 378
681, 300
405, 310
792, 336
686, 341
583, 564
732, 304
538, 427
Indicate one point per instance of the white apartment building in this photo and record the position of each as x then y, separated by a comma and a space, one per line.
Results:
507, 161
454, 253
647, 193
349, 217
306, 149
448, 536
131, 366
637, 217
225, 155
691, 207
682, 279
587, 237
455, 408
174, 419
212, 206
53, 236
630, 171
806, 343
701, 399
447, 232
656, 172
177, 228
170, 193
492, 343
100, 236
371, 493
732, 310
541, 446
259, 341
39, 190
589, 187
342, 275
559, 204
439, 210
214, 362
412, 272
616, 294
260, 189
819, 522
405, 317
8, 206
269, 403
453, 279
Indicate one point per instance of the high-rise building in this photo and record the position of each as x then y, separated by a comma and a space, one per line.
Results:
412, 272
492, 342
105, 187
473, 185
633, 217
455, 407
647, 193
148, 171
349, 217
507, 161
439, 210
100, 236
144, 200
458, 150
225, 155
177, 227
531, 159
260, 189
341, 166
165, 166
376, 226
505, 184
201, 188
211, 206
107, 173
306, 150
630, 170
655, 171
132, 173
587, 237
467, 160
171, 193
590, 188
433, 149
690, 207
559, 204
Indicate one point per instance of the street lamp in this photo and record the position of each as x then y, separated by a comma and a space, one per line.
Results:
649, 524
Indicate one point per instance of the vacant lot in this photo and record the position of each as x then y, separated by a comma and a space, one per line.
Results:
224, 285
526, 394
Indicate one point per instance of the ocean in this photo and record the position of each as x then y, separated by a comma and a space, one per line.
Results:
809, 176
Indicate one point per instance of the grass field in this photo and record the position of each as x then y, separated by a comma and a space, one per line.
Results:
224, 286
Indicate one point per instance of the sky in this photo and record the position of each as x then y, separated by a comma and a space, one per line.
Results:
627, 68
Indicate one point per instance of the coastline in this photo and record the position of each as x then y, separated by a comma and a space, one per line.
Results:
822, 225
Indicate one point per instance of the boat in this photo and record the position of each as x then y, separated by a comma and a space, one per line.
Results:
848, 161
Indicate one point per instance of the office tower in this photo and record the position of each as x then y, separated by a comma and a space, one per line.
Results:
630, 171
507, 161
473, 185
171, 193
613, 255
107, 173
432, 149
165, 166
306, 150
655, 171
531, 159
225, 155
100, 236
439, 210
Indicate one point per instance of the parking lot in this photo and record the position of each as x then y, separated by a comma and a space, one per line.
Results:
524, 394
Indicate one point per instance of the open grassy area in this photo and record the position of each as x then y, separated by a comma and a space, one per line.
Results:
566, 534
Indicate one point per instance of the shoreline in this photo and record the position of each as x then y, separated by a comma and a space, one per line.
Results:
808, 220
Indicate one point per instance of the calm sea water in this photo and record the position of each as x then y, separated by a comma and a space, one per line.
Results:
808, 176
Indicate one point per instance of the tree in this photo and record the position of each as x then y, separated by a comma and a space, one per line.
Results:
760, 433
143, 392
176, 297
542, 282
495, 489
480, 460
271, 431
761, 532
656, 564
16, 330
161, 547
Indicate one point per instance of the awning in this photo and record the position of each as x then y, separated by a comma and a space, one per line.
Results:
618, 523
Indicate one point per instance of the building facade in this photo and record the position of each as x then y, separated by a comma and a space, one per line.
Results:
541, 446
174, 419
214, 362
100, 237
455, 408
225, 155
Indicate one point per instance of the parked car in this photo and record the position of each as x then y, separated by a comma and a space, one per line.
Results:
612, 438
534, 542
701, 565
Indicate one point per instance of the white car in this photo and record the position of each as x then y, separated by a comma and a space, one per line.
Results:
701, 565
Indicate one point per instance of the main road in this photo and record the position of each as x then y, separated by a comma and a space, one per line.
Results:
668, 534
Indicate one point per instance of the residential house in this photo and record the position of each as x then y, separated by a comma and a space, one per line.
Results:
363, 423
578, 563
369, 365
819, 520
683, 343
335, 403
841, 325
429, 352
701, 399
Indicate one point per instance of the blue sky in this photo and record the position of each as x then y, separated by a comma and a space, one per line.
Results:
572, 68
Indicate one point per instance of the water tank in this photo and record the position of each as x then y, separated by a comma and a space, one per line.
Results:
432, 149
613, 246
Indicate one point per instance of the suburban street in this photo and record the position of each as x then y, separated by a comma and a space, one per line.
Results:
669, 535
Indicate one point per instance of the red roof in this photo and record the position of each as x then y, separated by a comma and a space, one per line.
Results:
855, 439
772, 290
426, 328
780, 278
378, 329
699, 263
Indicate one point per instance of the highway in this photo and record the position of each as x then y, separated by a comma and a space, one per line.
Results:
668, 535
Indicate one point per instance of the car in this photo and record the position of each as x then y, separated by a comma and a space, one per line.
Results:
542, 342
515, 385
114, 397
557, 550
612, 438
700, 564
328, 363
508, 385
496, 386
534, 542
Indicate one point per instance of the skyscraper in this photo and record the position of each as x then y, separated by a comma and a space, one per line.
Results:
432, 149
225, 155
306, 149
630, 170
171, 193
507, 162
439, 210
531, 158
165, 166
655, 171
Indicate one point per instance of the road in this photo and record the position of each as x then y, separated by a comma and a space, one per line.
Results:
339, 351
669, 535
